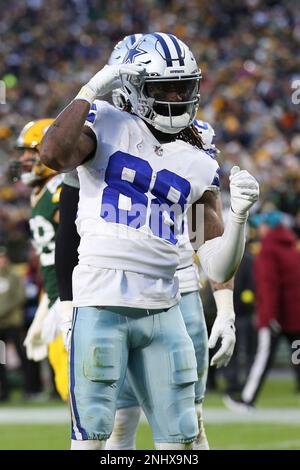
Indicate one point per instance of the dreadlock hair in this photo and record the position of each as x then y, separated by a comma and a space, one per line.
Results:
127, 108
191, 136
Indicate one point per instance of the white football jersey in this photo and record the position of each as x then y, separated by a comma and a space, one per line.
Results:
129, 192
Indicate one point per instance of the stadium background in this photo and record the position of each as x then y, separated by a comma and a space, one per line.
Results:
248, 51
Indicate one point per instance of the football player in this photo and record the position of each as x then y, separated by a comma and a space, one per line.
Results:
128, 411
131, 173
44, 336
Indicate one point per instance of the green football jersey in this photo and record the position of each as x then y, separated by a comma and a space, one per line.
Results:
43, 228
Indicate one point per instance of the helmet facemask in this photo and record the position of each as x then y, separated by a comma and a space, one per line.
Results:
119, 99
174, 102
168, 104
32, 170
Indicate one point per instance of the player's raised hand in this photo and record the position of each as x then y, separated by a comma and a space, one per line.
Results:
108, 78
244, 190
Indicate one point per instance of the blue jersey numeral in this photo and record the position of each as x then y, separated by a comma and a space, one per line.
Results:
128, 199
171, 192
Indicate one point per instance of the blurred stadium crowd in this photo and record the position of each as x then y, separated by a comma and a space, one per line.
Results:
249, 55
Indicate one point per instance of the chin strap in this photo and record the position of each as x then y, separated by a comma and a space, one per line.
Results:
166, 123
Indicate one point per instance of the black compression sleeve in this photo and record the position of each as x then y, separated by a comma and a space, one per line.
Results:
67, 241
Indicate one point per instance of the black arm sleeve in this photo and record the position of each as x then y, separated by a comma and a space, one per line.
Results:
67, 241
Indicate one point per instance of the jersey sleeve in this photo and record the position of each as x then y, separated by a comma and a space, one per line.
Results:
208, 172
214, 186
101, 118
92, 116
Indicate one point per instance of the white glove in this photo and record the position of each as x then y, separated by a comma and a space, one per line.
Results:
65, 324
36, 347
244, 191
51, 323
107, 79
223, 328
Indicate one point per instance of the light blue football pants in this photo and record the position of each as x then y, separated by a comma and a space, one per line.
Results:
193, 316
159, 356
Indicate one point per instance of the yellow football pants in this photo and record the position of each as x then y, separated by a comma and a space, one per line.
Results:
58, 358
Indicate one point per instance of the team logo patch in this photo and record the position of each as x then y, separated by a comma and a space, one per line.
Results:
133, 53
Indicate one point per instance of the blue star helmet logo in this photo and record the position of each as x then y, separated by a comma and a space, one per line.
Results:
133, 53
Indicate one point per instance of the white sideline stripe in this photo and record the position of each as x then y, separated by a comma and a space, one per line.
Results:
287, 444
60, 415
259, 364
266, 415
55, 415
271, 445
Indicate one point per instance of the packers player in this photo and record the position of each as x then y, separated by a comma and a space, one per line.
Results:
44, 336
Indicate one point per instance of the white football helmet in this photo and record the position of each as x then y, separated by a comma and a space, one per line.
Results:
207, 135
167, 94
117, 56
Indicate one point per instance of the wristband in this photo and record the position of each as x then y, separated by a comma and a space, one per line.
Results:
224, 301
86, 94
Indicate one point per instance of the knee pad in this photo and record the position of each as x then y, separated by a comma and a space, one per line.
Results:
98, 419
95, 422
187, 423
87, 445
182, 423
125, 427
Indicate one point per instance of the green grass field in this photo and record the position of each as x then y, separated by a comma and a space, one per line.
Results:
229, 436
276, 393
